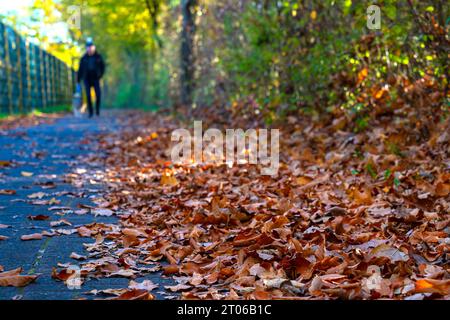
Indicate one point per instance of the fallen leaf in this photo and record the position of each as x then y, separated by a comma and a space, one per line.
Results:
13, 278
123, 273
26, 174
114, 292
45, 202
362, 197
170, 269
66, 274
196, 279
60, 222
49, 233
442, 189
5, 163
169, 180
56, 208
66, 232
135, 294
178, 287
7, 192
37, 195
144, 285
394, 254
441, 287
34, 236
81, 211
274, 283
84, 232
39, 217
102, 212
76, 256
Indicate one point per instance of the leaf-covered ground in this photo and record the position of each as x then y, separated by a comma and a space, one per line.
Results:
349, 215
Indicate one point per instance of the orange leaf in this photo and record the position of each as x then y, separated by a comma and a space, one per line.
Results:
442, 189
362, 197
135, 294
441, 287
362, 75
7, 192
170, 269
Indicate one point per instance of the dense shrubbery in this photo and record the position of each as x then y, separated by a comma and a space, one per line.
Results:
319, 56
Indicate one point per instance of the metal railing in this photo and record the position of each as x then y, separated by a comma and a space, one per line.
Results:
30, 78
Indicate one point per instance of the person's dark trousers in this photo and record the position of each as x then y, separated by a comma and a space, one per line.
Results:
88, 84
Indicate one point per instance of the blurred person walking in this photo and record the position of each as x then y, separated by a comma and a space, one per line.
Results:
90, 71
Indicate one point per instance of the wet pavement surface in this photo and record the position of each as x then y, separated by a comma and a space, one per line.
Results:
48, 152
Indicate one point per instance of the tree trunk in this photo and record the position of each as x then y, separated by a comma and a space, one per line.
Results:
187, 58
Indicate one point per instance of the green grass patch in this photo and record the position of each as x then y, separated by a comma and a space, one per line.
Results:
39, 112
53, 109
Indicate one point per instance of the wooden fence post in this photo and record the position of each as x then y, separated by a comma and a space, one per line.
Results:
19, 69
43, 86
3, 81
27, 61
8, 70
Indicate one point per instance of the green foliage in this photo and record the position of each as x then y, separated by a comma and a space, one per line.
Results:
55, 109
126, 33
280, 56
321, 55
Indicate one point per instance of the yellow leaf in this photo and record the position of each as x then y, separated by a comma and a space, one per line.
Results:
276, 83
169, 180
303, 180
313, 15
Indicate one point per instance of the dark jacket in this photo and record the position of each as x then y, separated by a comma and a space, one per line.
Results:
91, 69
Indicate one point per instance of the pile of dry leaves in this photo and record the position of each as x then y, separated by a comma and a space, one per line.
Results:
349, 215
